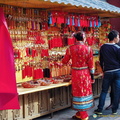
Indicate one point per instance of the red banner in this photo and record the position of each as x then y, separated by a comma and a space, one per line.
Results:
8, 89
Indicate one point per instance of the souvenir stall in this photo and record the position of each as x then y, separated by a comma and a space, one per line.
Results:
41, 31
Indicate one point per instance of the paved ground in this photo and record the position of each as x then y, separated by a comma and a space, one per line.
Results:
67, 113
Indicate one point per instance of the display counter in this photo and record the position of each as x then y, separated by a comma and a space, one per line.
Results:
23, 91
36, 102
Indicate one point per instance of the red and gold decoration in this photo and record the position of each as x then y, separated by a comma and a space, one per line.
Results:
40, 39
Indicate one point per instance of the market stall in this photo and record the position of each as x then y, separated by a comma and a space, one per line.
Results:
41, 31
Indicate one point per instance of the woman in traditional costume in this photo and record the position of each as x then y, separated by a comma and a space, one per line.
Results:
82, 70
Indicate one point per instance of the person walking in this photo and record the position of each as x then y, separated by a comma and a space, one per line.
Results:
82, 70
110, 63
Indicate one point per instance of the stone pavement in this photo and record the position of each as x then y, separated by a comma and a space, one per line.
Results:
66, 114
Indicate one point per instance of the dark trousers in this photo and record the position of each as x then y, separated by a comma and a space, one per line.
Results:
110, 78
112, 94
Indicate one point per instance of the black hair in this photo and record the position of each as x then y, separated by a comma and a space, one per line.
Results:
79, 36
113, 34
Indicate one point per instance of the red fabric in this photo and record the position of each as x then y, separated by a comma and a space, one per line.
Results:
93, 23
34, 53
81, 56
39, 40
81, 83
96, 21
71, 41
23, 74
71, 20
76, 21
35, 74
45, 26
27, 52
44, 52
81, 21
51, 43
54, 18
55, 42
30, 71
60, 17
8, 89
90, 41
40, 73
59, 41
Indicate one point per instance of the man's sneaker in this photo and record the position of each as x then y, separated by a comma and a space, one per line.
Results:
98, 111
114, 113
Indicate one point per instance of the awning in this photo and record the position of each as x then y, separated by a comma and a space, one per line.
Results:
94, 7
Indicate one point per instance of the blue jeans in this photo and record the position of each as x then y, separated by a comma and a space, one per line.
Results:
110, 78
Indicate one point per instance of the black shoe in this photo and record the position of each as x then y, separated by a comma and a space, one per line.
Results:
109, 107
98, 111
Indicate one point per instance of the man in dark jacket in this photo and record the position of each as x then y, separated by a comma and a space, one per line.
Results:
110, 63
112, 91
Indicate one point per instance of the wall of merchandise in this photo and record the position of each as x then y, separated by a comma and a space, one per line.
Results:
40, 38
